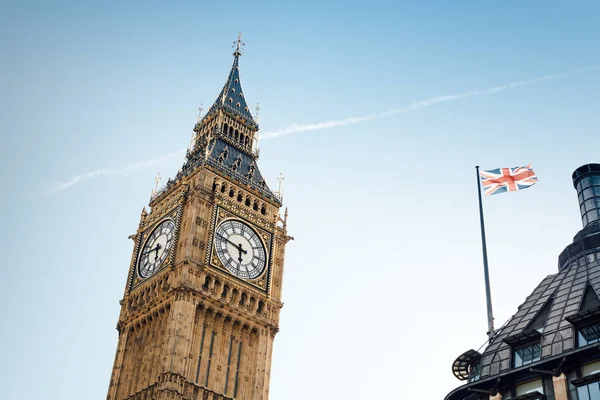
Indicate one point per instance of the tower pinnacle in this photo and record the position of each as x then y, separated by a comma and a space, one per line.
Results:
238, 45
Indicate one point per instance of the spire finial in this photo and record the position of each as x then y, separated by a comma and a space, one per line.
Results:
198, 119
157, 179
238, 45
200, 109
280, 180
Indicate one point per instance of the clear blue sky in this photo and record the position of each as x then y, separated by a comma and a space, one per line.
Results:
384, 211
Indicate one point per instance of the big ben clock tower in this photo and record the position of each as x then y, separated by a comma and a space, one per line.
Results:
203, 293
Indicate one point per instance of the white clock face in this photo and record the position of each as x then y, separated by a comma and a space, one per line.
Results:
156, 248
240, 249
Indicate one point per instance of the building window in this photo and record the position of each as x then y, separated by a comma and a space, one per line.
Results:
588, 335
536, 386
590, 391
526, 354
588, 386
475, 371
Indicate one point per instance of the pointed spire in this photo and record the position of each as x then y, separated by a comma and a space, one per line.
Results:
232, 97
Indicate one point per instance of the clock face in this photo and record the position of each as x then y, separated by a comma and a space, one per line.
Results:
240, 249
156, 248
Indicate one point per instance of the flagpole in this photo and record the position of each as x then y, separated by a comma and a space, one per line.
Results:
488, 295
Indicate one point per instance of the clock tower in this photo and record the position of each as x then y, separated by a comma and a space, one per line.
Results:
203, 294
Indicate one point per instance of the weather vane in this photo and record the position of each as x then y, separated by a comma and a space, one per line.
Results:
238, 45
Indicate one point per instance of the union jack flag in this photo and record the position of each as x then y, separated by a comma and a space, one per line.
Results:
502, 180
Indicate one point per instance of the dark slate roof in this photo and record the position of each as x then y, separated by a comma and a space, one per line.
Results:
237, 164
549, 314
558, 296
232, 97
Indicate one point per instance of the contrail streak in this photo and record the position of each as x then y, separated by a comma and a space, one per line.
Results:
293, 128
115, 171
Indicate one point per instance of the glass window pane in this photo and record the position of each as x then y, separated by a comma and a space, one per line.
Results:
582, 393
591, 334
594, 389
591, 368
594, 180
527, 354
528, 387
588, 193
592, 215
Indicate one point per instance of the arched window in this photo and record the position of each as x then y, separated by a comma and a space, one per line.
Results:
263, 210
242, 138
223, 189
206, 283
237, 135
231, 193
247, 140
255, 205
247, 203
225, 128
239, 197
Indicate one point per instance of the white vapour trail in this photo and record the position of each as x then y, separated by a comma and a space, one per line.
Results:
115, 171
293, 128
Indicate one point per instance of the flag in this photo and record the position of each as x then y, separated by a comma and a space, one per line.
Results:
502, 180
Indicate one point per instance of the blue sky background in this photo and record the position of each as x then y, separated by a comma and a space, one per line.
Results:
384, 284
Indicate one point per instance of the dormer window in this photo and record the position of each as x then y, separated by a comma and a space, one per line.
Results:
588, 335
526, 354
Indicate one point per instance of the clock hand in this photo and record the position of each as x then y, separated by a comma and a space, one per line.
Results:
158, 247
237, 246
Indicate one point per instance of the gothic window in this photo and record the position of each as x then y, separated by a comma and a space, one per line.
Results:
243, 299
247, 202
231, 131
237, 163
210, 352
206, 283
228, 364
223, 188
247, 140
237, 369
261, 306
214, 185
255, 205
242, 138
239, 197
251, 170
263, 210
231, 193
237, 135
223, 155
200, 353
225, 128
225, 291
